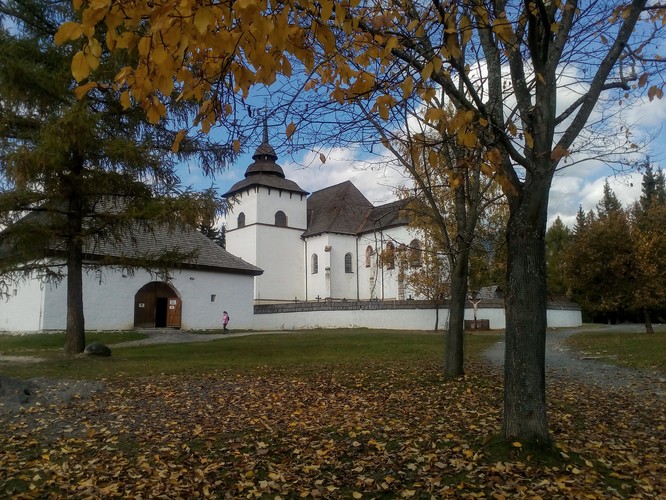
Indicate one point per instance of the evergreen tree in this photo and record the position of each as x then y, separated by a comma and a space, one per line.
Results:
76, 172
653, 189
609, 204
557, 241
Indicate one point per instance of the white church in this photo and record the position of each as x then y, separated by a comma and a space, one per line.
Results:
331, 259
332, 245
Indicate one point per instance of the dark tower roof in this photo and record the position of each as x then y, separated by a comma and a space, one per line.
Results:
264, 171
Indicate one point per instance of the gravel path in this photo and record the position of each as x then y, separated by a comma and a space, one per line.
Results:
564, 362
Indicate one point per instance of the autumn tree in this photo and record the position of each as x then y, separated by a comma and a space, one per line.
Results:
515, 59
450, 197
77, 171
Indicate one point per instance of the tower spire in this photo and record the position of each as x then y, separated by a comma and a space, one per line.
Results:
265, 141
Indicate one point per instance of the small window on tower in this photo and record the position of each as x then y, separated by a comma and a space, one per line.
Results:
280, 219
314, 264
241, 219
213, 297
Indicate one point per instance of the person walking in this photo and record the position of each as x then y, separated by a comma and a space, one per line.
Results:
225, 321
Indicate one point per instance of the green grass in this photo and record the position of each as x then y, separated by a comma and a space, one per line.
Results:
308, 351
644, 351
13, 344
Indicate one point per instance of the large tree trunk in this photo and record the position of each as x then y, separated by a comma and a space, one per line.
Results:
648, 322
75, 340
525, 416
453, 356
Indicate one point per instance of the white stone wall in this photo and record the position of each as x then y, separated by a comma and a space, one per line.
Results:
22, 311
398, 319
109, 301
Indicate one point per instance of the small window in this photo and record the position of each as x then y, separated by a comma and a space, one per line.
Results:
348, 263
368, 255
213, 297
314, 264
280, 219
389, 255
415, 253
241, 219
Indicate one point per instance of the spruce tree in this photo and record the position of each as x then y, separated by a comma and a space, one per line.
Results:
75, 172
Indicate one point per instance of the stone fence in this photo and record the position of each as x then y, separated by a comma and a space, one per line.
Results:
393, 314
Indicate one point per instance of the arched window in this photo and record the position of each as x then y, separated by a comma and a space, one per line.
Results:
280, 219
389, 255
314, 264
241, 219
415, 253
368, 255
348, 263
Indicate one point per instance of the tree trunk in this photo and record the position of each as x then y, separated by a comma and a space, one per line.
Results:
75, 340
525, 416
453, 356
648, 321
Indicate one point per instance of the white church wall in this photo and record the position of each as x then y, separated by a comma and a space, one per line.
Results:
22, 310
317, 283
245, 202
343, 283
108, 301
270, 200
279, 254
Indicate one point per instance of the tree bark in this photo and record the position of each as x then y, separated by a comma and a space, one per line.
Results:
648, 321
453, 356
525, 416
75, 340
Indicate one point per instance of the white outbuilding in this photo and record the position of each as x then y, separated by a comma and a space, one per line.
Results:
192, 296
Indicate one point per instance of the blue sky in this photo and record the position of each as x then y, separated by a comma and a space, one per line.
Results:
581, 184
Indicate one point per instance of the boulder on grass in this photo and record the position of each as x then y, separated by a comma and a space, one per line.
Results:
97, 349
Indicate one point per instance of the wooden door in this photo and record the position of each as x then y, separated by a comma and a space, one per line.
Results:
174, 308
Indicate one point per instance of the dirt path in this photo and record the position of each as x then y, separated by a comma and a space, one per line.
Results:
561, 361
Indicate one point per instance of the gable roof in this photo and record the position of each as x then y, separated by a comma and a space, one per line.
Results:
338, 209
191, 248
202, 253
385, 216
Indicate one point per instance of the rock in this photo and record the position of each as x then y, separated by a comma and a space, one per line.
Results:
97, 349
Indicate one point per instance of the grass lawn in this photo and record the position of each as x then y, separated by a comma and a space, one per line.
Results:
645, 351
317, 414
300, 352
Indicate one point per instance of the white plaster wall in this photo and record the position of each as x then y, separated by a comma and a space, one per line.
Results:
23, 311
279, 254
396, 319
343, 284
246, 202
318, 284
294, 205
561, 318
109, 302
406, 319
